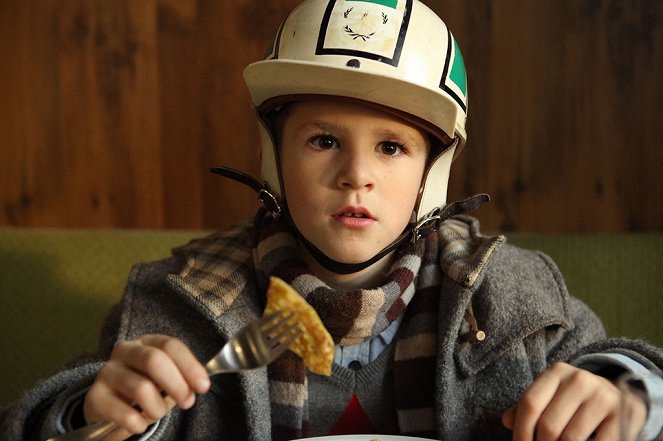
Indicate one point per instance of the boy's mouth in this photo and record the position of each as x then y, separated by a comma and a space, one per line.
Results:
354, 212
354, 215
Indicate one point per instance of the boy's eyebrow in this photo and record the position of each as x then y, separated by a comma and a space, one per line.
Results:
322, 125
383, 133
386, 133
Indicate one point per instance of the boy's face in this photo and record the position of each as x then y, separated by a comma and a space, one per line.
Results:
352, 174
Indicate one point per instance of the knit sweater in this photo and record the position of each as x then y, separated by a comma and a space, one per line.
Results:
519, 300
354, 400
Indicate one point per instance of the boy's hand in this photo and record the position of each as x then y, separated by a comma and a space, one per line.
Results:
568, 403
142, 381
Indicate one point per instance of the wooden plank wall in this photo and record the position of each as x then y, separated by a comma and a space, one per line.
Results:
111, 112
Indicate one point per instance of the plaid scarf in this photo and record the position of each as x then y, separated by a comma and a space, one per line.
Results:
355, 316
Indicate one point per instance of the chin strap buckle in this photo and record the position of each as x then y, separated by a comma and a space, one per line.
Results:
270, 202
427, 225
432, 221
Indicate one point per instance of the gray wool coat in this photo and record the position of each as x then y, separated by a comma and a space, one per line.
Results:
519, 299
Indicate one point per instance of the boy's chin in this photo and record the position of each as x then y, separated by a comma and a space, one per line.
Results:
354, 258
342, 256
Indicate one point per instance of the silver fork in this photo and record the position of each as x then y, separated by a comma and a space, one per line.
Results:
256, 344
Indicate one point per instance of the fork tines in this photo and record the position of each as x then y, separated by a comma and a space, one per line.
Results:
281, 328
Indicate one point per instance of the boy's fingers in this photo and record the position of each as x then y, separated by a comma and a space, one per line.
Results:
142, 381
509, 417
567, 410
154, 364
533, 403
192, 371
566, 402
112, 407
168, 363
139, 391
592, 418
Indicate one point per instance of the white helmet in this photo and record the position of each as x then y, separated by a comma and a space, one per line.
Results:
396, 54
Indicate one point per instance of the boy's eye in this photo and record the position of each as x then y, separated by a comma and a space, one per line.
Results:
324, 142
390, 148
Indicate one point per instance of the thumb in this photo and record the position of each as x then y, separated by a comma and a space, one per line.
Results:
509, 417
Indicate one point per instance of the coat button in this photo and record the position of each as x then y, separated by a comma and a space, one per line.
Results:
355, 365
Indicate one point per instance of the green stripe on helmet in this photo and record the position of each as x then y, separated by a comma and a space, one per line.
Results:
458, 74
387, 3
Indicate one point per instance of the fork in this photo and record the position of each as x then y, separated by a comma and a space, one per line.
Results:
255, 345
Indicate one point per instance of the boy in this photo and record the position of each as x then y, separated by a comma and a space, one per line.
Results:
441, 332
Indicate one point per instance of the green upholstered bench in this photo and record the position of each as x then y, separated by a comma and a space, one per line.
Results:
56, 285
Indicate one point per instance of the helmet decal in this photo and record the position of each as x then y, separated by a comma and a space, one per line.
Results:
454, 77
348, 28
389, 3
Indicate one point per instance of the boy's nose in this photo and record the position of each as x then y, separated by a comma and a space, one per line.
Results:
355, 172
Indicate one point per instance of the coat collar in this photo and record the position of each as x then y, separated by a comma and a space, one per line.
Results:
464, 251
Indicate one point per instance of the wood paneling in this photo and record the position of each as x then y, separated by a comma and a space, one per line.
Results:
112, 112
565, 110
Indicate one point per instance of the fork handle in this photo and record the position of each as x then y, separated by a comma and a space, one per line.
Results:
92, 432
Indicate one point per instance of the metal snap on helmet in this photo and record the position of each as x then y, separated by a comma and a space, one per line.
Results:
393, 53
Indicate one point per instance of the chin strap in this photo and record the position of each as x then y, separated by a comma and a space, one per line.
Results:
267, 199
423, 228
